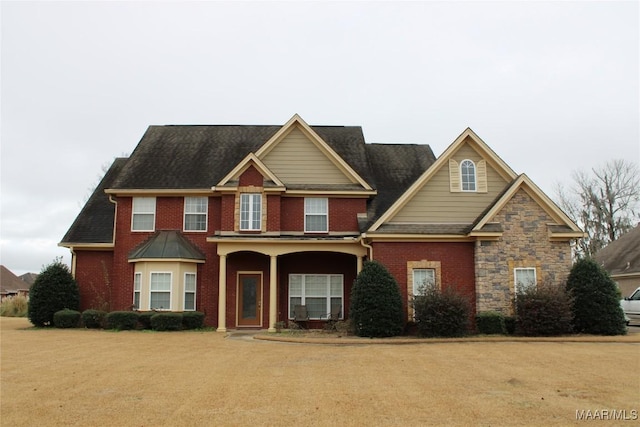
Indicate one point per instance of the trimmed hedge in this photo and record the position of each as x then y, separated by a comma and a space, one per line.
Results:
491, 322
121, 320
93, 319
66, 318
144, 318
166, 321
192, 319
55, 289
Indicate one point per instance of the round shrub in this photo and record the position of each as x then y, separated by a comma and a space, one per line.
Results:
441, 313
121, 320
543, 311
66, 318
54, 289
596, 305
93, 319
192, 320
166, 322
491, 322
376, 304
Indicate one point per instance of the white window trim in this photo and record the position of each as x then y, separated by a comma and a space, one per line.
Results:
205, 213
134, 213
251, 211
303, 294
515, 277
475, 177
194, 292
326, 214
151, 291
137, 289
433, 272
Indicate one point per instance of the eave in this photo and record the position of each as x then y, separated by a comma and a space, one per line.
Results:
388, 237
87, 246
158, 191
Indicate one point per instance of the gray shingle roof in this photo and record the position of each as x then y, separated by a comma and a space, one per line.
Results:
94, 223
199, 156
622, 256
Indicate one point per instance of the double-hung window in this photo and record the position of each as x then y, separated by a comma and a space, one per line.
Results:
250, 212
195, 213
524, 278
316, 215
137, 288
160, 291
423, 278
318, 292
144, 214
189, 291
468, 175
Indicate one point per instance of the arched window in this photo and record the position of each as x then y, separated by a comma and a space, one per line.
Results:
468, 175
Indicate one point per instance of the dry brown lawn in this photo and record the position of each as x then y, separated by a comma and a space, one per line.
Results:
53, 377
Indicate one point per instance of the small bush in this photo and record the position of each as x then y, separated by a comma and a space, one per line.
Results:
121, 320
93, 319
66, 318
376, 303
510, 324
441, 313
144, 318
543, 311
491, 322
166, 322
14, 306
193, 320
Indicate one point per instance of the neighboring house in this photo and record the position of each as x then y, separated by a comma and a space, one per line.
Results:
11, 285
30, 278
621, 258
245, 222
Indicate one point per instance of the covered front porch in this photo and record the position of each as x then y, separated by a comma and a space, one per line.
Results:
260, 280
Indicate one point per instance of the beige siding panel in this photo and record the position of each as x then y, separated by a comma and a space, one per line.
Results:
297, 160
435, 203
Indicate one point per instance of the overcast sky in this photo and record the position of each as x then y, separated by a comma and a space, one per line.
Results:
551, 86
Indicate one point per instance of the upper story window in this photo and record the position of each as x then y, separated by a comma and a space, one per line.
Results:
195, 213
144, 214
250, 212
468, 175
316, 215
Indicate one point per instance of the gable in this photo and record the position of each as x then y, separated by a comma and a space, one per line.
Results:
440, 201
296, 159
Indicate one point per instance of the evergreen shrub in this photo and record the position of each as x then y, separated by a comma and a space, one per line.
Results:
93, 319
144, 318
376, 303
596, 305
192, 319
66, 318
54, 289
491, 322
121, 320
166, 322
441, 313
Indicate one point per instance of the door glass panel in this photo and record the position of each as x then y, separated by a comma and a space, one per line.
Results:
249, 291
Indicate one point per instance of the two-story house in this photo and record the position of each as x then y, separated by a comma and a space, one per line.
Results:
245, 222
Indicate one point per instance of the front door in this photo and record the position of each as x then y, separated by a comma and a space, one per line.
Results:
249, 299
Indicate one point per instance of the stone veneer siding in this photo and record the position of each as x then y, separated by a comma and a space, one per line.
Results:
524, 243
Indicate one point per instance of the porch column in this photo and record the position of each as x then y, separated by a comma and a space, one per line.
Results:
359, 265
222, 295
273, 300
